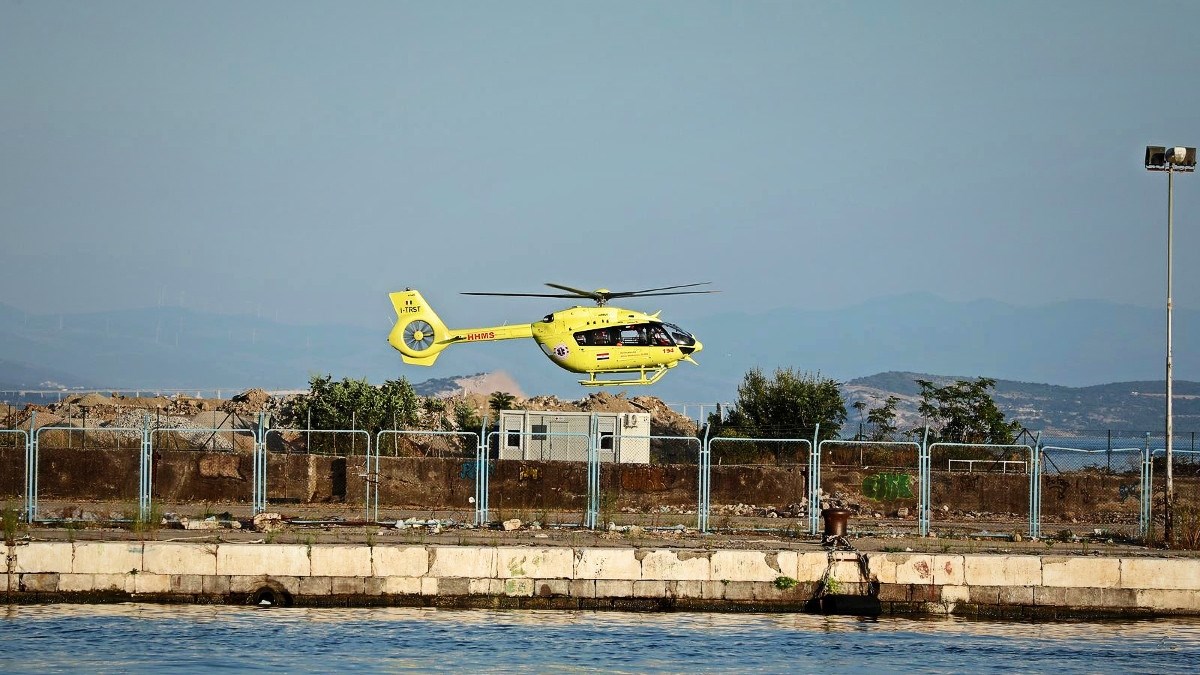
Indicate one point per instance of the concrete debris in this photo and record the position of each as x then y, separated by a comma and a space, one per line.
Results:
433, 525
510, 525
209, 523
268, 522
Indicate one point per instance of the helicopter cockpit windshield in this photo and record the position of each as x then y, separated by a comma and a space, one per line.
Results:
681, 336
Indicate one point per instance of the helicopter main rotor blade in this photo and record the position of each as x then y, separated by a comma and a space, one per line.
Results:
526, 295
578, 291
641, 294
601, 295
664, 288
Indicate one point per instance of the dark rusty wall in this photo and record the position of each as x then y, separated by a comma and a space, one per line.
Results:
87, 474
449, 483
12, 472
758, 484
981, 492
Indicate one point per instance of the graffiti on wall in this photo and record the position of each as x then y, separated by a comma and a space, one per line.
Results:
467, 470
887, 486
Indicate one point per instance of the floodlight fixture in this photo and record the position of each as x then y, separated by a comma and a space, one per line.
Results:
1178, 158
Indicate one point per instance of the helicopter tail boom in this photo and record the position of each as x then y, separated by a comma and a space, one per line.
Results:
420, 335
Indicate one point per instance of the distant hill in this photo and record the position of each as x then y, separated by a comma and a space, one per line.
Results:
479, 383
14, 375
1072, 343
1120, 406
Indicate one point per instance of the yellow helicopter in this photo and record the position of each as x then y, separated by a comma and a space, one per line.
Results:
601, 341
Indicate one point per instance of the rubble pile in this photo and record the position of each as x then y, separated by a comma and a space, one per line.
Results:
250, 403
240, 412
663, 420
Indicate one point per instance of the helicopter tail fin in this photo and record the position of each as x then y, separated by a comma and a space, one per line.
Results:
419, 334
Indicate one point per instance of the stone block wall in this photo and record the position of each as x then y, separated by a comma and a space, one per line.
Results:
619, 578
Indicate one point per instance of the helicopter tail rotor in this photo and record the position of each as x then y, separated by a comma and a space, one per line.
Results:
419, 334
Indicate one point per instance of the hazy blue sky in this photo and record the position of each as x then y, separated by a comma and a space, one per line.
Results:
305, 158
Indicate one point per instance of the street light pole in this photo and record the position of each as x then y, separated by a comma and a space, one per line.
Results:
1159, 158
1169, 510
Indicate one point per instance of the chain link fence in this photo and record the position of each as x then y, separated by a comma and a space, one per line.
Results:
13, 467
975, 487
87, 474
425, 475
1087, 483
542, 478
759, 483
663, 493
878, 481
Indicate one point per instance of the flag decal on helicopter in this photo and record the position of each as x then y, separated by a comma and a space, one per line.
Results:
603, 356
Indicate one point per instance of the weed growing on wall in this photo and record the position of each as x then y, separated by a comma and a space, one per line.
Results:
10, 522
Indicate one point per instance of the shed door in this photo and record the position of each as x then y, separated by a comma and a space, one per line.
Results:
559, 446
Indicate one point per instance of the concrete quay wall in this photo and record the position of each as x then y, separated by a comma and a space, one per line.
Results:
601, 578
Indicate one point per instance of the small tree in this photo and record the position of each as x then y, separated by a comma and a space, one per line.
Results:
883, 420
465, 417
501, 400
859, 405
787, 405
964, 412
353, 404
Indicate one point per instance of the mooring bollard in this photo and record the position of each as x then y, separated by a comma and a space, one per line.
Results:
836, 521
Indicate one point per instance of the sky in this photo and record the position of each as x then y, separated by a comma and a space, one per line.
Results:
299, 160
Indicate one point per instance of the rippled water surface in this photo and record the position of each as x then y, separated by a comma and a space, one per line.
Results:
143, 638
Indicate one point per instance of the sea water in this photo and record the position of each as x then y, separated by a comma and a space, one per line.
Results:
183, 639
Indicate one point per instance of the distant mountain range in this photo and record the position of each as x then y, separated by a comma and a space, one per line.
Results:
1127, 408
1078, 343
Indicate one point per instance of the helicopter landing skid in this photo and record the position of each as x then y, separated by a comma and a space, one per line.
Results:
644, 376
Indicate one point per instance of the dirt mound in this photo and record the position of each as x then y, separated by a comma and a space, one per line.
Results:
248, 402
663, 420
92, 400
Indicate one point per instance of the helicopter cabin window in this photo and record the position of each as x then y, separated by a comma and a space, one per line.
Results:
597, 337
631, 335
658, 337
634, 336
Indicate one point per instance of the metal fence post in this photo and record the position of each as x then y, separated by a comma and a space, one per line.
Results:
705, 478
924, 479
1147, 496
482, 485
593, 471
481, 473
1035, 511
31, 469
259, 470
144, 470
814, 482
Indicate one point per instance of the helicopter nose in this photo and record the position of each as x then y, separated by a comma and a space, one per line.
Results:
692, 348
